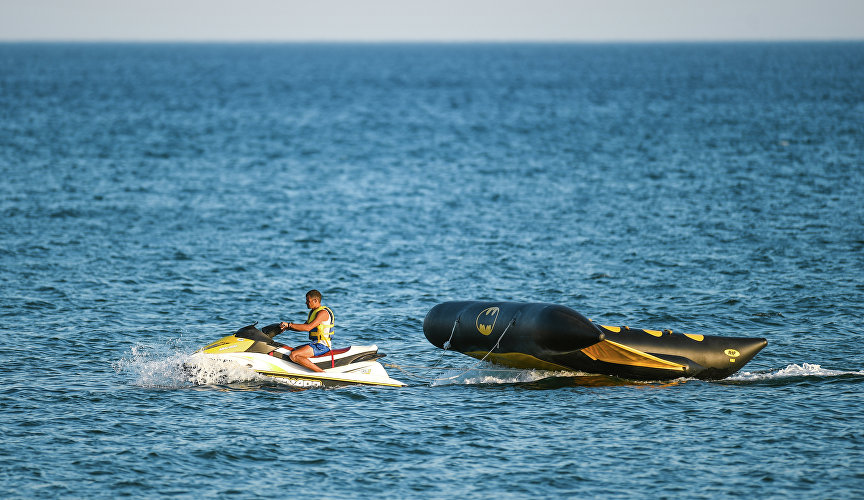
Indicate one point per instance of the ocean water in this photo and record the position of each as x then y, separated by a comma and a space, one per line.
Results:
156, 197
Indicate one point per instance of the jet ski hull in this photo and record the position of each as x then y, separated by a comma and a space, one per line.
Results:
252, 348
362, 373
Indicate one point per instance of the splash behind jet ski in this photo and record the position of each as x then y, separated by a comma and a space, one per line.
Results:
256, 350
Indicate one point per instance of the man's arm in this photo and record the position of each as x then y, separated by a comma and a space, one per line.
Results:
321, 317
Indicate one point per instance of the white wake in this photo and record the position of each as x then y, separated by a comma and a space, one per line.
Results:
167, 366
792, 371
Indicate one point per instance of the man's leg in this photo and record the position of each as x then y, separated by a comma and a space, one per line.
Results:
300, 355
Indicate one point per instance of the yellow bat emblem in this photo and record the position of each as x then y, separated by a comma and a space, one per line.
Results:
486, 320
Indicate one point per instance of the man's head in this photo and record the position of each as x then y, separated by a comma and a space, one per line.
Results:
313, 299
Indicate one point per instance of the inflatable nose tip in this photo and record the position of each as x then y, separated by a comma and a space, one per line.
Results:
751, 348
758, 344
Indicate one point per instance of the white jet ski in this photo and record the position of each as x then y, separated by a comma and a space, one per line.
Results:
256, 350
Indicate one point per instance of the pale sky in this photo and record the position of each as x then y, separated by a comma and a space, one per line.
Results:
430, 20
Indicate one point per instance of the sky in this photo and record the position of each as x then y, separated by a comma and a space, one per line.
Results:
430, 20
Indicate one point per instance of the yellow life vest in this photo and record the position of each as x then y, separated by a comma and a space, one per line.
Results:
323, 331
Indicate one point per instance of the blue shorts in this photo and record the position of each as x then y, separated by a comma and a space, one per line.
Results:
319, 348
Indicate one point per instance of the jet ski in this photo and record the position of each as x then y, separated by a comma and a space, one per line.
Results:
256, 350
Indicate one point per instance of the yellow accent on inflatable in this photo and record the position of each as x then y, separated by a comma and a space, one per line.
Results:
613, 352
518, 360
615, 329
656, 333
695, 336
484, 327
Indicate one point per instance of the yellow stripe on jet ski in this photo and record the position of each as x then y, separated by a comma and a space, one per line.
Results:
284, 374
280, 372
229, 344
613, 352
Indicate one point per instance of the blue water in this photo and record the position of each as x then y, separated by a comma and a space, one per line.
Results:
156, 197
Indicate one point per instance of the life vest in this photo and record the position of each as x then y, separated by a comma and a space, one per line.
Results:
323, 331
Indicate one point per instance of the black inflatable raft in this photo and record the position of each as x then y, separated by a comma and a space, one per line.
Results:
554, 337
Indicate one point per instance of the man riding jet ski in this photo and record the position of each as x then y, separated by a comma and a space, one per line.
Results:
319, 324
314, 364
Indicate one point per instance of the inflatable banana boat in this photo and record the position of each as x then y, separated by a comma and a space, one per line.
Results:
553, 337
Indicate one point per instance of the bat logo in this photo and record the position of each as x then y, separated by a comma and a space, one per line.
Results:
486, 320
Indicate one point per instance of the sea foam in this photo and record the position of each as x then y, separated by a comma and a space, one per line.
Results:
168, 366
792, 371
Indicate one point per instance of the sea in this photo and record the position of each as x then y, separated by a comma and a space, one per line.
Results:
156, 197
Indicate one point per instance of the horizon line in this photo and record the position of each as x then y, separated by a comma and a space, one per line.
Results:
430, 41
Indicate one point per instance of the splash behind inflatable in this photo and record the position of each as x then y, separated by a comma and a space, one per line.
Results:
554, 337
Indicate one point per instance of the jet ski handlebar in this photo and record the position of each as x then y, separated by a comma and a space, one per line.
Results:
265, 334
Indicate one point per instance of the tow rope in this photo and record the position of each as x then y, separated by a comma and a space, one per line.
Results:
446, 347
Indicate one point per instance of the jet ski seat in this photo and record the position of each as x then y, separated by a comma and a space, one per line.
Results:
324, 361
